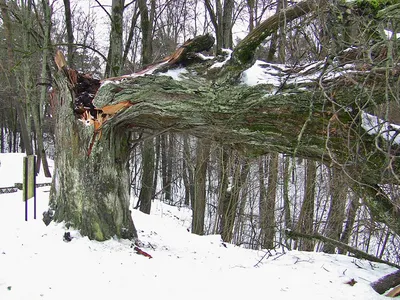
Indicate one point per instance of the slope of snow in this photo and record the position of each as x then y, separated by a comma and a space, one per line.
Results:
35, 262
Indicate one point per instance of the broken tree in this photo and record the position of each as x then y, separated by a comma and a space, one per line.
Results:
313, 111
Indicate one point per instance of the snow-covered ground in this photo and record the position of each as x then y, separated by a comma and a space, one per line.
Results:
35, 262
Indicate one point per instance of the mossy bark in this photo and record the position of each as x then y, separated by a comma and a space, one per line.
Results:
90, 192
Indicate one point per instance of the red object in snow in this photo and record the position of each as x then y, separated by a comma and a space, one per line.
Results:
140, 251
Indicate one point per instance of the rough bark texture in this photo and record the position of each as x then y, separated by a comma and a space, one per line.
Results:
306, 218
317, 119
114, 59
200, 180
254, 120
336, 216
90, 192
148, 166
244, 51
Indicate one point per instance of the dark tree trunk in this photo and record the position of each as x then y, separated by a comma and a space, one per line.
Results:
166, 169
148, 169
188, 172
146, 24
90, 192
232, 197
114, 58
351, 218
306, 218
269, 217
336, 213
70, 33
387, 282
200, 181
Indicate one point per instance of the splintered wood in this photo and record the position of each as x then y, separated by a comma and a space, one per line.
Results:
115, 108
85, 87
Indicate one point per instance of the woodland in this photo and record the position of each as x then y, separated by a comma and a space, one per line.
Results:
304, 158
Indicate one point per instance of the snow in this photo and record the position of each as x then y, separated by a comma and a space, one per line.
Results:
259, 74
376, 126
35, 262
176, 74
389, 34
204, 57
227, 58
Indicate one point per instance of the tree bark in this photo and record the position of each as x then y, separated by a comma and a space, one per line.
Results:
90, 192
148, 169
232, 197
114, 59
385, 283
306, 219
269, 236
200, 180
146, 25
70, 33
351, 218
336, 214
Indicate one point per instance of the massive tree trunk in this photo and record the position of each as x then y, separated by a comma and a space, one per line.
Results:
91, 185
313, 115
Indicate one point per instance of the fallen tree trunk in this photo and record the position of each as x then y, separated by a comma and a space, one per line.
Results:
312, 111
357, 253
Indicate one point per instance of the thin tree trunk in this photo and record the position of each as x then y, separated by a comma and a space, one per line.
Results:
70, 34
166, 169
147, 28
286, 199
227, 16
114, 60
351, 218
232, 196
146, 191
128, 43
385, 283
223, 178
336, 212
250, 4
200, 175
306, 218
188, 173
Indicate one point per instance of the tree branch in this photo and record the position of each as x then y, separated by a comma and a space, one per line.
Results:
358, 253
243, 55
